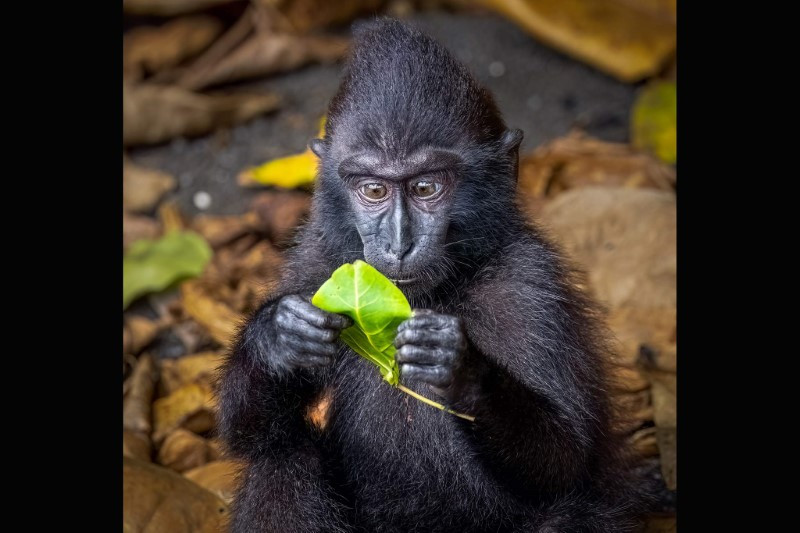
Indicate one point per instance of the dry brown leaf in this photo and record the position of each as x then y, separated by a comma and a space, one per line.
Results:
168, 7
142, 188
304, 15
154, 114
136, 227
644, 442
191, 407
626, 379
219, 477
136, 403
155, 499
579, 161
136, 444
192, 335
264, 54
200, 368
612, 36
219, 319
183, 450
149, 49
280, 212
216, 449
318, 411
137, 333
666, 523
626, 241
646, 330
220, 230
170, 217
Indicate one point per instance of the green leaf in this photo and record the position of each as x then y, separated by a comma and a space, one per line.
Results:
376, 306
154, 265
654, 120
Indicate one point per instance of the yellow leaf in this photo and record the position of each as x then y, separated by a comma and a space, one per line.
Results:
288, 172
615, 36
654, 119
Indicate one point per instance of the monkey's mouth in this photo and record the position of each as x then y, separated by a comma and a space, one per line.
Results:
406, 281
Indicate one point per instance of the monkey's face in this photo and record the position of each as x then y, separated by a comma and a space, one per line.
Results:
401, 211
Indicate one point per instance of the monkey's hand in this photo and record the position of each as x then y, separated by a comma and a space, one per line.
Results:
432, 348
305, 336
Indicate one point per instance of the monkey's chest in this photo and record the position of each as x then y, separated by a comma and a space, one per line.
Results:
403, 464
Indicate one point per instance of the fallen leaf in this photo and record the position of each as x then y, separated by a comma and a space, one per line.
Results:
142, 188
154, 265
219, 477
183, 450
200, 368
156, 499
292, 171
191, 407
137, 333
136, 404
220, 320
154, 114
220, 230
168, 7
138, 227
626, 241
612, 36
666, 523
318, 411
644, 442
136, 444
264, 54
627, 379
280, 213
654, 120
170, 217
579, 161
150, 49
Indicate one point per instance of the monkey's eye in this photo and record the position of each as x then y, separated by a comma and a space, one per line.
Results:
373, 191
425, 189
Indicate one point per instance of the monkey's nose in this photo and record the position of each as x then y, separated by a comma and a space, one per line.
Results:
399, 250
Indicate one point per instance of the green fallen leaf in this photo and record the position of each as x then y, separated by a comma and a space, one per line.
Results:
654, 119
154, 265
376, 306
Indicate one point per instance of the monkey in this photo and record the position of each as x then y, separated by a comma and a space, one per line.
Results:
417, 177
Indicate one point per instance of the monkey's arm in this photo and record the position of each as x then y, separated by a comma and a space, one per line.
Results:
537, 391
262, 419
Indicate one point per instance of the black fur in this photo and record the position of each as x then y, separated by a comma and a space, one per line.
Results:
541, 455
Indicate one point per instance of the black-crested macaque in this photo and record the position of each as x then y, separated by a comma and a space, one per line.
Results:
417, 177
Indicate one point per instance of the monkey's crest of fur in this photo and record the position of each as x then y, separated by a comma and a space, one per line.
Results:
406, 90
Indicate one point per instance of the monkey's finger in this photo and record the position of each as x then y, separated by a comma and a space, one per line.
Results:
427, 337
316, 316
419, 355
437, 376
428, 320
311, 347
303, 329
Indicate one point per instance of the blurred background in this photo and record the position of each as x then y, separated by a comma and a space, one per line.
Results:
220, 99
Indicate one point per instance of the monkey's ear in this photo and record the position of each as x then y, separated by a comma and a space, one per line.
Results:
319, 147
511, 139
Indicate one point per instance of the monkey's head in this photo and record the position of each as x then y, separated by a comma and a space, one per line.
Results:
418, 170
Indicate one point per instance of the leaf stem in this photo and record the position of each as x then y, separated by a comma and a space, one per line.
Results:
423, 399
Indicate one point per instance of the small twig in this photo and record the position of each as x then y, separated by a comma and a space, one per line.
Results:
423, 399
